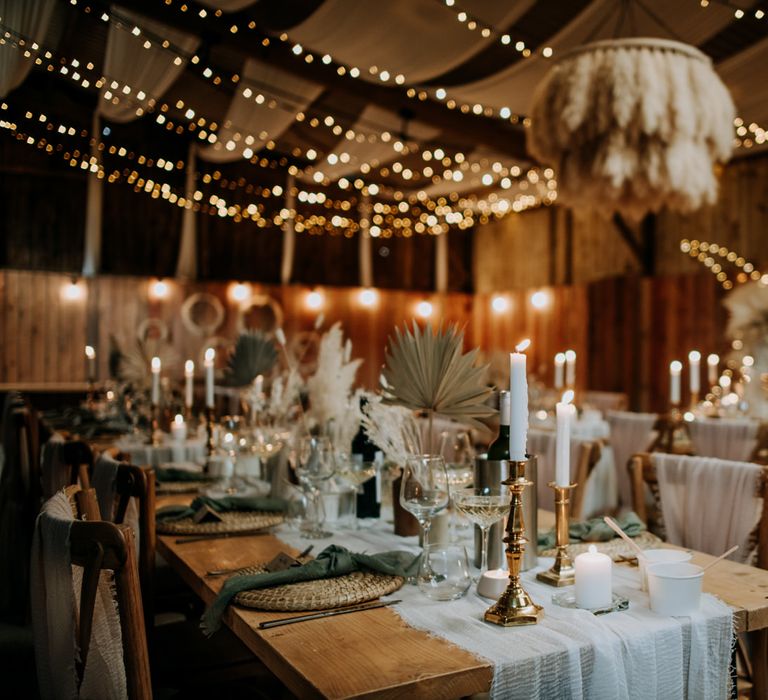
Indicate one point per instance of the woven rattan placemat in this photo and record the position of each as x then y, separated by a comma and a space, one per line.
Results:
615, 548
350, 589
168, 487
232, 521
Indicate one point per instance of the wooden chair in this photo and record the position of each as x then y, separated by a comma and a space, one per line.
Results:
98, 546
760, 453
643, 474
589, 456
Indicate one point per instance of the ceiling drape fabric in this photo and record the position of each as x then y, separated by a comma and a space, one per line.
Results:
419, 40
148, 72
30, 19
264, 107
227, 5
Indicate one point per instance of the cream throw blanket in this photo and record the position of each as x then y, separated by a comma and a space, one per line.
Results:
724, 438
55, 593
709, 504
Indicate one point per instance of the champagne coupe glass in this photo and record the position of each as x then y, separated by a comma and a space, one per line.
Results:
315, 463
424, 493
354, 471
484, 507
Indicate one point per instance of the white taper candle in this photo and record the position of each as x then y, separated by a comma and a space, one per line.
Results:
518, 403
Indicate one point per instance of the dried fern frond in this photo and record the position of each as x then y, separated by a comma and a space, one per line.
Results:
426, 370
254, 354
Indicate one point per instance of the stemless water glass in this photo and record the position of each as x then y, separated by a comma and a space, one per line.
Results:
483, 506
449, 568
424, 493
314, 464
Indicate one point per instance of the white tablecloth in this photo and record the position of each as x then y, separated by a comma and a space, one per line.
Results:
635, 654
191, 450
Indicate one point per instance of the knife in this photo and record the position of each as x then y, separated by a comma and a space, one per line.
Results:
223, 535
326, 613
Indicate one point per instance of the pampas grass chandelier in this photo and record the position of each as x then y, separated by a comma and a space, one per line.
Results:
633, 125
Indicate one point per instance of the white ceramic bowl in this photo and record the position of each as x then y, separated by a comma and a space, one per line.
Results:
675, 589
660, 556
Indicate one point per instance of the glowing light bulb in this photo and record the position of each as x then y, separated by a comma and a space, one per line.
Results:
424, 309
500, 304
159, 289
314, 300
240, 292
368, 297
540, 300
73, 291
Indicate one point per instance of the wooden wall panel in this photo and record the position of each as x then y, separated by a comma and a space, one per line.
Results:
625, 330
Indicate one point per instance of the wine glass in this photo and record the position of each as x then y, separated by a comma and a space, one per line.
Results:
355, 471
315, 463
424, 493
483, 506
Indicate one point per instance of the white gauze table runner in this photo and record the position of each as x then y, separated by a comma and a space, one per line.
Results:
571, 653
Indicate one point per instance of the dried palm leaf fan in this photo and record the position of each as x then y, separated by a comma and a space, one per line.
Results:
426, 370
254, 354
633, 125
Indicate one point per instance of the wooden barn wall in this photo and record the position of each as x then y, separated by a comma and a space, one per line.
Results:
625, 330
549, 246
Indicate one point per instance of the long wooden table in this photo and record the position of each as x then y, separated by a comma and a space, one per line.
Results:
374, 654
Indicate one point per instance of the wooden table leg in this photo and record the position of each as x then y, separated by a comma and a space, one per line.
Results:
758, 642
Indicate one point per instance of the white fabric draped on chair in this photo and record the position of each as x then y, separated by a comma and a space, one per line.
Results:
630, 433
54, 474
55, 589
709, 504
724, 438
104, 483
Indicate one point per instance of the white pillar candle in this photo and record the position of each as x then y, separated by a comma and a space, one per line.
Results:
518, 403
189, 383
564, 411
675, 368
179, 428
712, 369
570, 368
694, 367
90, 355
155, 398
559, 370
210, 355
593, 580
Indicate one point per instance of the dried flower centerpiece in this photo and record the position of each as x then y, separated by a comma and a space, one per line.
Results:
254, 354
427, 370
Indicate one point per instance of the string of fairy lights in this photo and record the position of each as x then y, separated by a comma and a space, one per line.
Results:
716, 257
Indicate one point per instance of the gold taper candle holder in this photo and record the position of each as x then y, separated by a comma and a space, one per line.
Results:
562, 572
694, 400
210, 424
515, 606
155, 434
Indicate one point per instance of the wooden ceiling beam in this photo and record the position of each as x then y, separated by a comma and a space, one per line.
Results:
472, 130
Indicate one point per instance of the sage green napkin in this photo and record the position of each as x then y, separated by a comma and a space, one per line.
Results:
331, 562
596, 530
228, 503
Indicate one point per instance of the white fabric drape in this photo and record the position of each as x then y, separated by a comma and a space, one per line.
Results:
55, 590
53, 472
30, 19
417, 39
186, 265
708, 504
274, 97
630, 433
724, 438
149, 72
629, 655
105, 484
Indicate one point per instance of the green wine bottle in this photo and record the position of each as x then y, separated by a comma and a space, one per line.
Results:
499, 448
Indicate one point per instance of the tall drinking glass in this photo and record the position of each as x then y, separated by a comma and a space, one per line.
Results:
314, 464
424, 493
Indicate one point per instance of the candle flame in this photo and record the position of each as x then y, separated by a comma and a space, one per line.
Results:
570, 355
155, 364
189, 367
90, 353
567, 396
523, 346
694, 356
178, 419
713, 359
675, 366
560, 358
592, 549
210, 354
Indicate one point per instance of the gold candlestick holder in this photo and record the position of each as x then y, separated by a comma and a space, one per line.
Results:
210, 424
562, 572
515, 607
155, 434
694, 400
